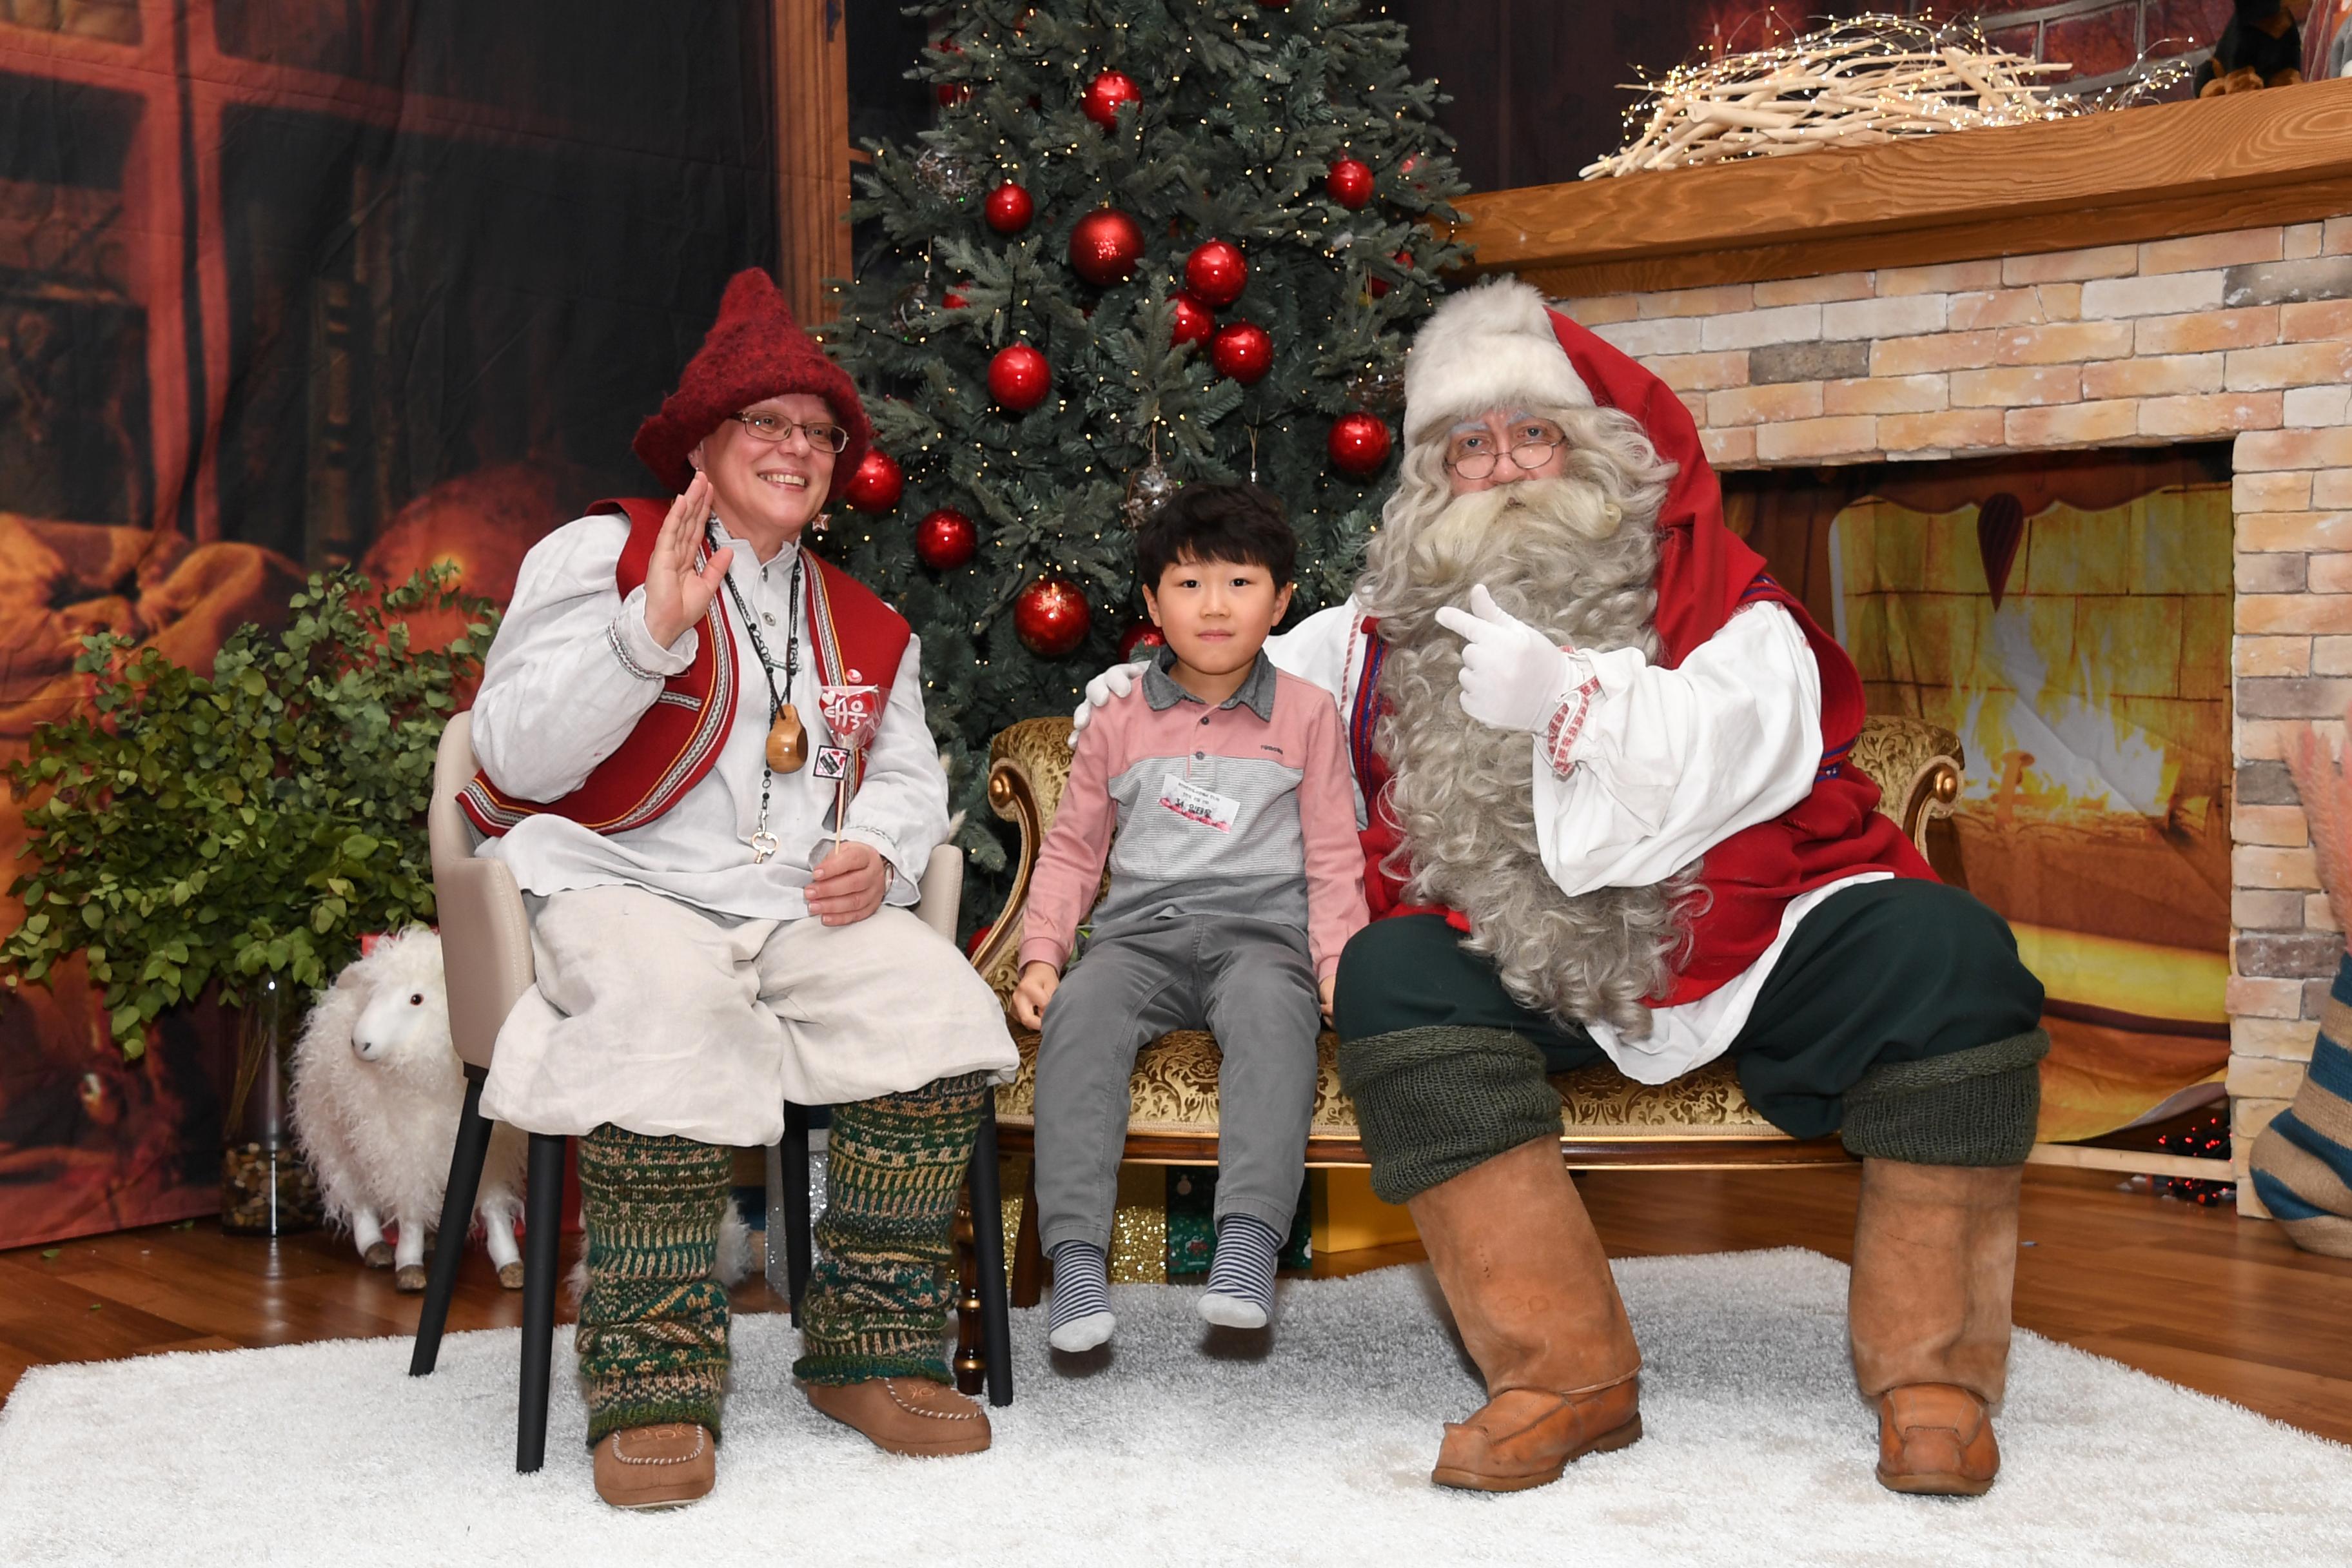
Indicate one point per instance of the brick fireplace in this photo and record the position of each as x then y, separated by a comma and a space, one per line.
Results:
2013, 291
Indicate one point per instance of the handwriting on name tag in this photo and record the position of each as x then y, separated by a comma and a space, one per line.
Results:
1195, 804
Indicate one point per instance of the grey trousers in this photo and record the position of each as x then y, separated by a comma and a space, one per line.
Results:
1248, 982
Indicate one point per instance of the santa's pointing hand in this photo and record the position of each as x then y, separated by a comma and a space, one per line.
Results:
1513, 677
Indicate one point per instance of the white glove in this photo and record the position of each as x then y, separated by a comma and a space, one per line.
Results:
1512, 675
1115, 682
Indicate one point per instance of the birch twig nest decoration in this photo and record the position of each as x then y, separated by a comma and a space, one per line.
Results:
1872, 79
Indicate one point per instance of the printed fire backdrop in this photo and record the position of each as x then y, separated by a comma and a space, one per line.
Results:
284, 285
2068, 617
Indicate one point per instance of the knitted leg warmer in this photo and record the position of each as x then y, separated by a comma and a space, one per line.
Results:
653, 1324
1433, 1102
1976, 1107
877, 1304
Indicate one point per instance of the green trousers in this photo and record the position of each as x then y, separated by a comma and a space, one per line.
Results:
652, 1336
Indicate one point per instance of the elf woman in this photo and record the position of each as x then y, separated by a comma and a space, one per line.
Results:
711, 945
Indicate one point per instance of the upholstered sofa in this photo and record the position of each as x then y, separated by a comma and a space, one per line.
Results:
1700, 1120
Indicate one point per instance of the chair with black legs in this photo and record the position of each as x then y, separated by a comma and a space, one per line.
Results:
486, 949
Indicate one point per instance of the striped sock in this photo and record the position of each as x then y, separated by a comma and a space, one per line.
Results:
1078, 1318
1241, 1273
2301, 1162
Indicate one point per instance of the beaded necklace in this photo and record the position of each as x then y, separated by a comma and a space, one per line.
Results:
787, 748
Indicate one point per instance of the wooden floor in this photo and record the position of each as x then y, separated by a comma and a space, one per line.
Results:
2189, 1294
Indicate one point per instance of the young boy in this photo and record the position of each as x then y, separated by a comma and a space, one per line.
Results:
1237, 878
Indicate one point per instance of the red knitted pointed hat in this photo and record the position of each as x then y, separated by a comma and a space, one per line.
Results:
754, 350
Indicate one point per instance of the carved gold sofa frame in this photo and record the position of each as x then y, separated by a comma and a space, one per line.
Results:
1698, 1121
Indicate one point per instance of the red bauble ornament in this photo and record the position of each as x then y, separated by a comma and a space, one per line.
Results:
1009, 208
1194, 321
1143, 633
1051, 616
1359, 445
877, 484
1105, 247
945, 540
950, 93
1349, 183
1216, 274
1243, 351
1381, 285
1019, 378
1106, 95
954, 299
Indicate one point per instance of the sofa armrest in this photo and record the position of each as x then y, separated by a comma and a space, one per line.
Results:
1029, 767
1917, 768
485, 951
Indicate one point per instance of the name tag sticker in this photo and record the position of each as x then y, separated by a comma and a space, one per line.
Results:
1195, 804
832, 762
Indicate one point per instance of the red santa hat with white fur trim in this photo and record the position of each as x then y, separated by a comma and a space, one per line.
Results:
1488, 347
1499, 345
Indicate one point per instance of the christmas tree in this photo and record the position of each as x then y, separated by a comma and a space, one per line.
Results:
1147, 243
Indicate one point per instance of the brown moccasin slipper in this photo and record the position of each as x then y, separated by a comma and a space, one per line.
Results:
909, 1416
667, 1466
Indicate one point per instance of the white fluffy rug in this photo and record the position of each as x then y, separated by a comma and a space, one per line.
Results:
1174, 1450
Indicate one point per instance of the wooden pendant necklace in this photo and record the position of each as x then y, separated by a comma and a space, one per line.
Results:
787, 747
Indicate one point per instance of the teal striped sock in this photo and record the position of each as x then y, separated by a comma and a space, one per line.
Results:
2301, 1162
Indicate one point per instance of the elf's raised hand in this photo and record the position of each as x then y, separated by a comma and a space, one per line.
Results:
1513, 677
678, 593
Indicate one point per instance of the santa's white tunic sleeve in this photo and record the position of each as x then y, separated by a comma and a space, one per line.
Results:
1326, 648
1670, 764
1673, 761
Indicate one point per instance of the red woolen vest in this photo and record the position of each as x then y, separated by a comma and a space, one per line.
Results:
854, 638
1706, 574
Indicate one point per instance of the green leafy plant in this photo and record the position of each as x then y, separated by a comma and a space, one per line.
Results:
193, 831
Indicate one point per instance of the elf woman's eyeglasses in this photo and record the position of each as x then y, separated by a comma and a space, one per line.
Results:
776, 429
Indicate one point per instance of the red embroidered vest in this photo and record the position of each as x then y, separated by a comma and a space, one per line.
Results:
854, 638
1706, 574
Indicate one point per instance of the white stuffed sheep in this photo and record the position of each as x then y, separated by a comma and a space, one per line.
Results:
376, 1095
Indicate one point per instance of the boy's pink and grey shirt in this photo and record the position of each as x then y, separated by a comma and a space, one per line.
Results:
1246, 809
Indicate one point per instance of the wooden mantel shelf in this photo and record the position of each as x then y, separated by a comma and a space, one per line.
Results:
2281, 155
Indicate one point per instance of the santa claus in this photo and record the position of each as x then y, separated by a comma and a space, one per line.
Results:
1608, 818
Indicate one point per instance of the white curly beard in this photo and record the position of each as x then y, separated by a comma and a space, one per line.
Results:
1567, 558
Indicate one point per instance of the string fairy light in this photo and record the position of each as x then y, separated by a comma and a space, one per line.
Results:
1871, 78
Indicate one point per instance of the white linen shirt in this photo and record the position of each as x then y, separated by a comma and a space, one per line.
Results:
1670, 762
555, 702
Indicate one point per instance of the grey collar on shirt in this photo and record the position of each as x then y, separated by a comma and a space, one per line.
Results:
1257, 693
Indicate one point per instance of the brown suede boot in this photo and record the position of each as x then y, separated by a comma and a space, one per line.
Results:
1531, 1288
1935, 1264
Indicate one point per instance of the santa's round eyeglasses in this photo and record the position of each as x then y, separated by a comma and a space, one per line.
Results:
1474, 457
776, 429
